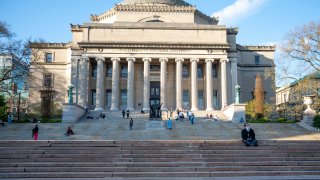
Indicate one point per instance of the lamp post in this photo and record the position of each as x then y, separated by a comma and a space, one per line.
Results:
18, 106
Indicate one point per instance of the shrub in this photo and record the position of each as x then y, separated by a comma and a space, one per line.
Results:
316, 121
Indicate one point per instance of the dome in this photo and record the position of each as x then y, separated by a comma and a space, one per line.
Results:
163, 2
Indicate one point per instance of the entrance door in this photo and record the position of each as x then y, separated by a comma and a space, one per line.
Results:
154, 92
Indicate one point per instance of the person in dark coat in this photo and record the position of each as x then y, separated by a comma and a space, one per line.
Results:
248, 136
123, 113
35, 132
128, 113
131, 123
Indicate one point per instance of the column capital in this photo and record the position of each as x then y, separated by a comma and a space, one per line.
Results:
146, 59
75, 59
100, 59
179, 60
209, 60
131, 59
224, 60
85, 58
194, 60
233, 60
115, 59
163, 60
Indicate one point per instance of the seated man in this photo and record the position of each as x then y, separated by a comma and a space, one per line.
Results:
207, 117
248, 136
215, 118
211, 116
69, 131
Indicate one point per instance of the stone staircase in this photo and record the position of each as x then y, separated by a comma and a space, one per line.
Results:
158, 159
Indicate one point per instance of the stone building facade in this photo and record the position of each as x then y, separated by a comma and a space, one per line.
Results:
142, 52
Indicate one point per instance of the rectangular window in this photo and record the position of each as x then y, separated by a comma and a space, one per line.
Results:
185, 71
152, 91
94, 70
155, 68
214, 71
157, 91
93, 97
200, 99
49, 58
48, 80
108, 98
215, 98
124, 70
123, 98
186, 98
109, 70
200, 71
257, 60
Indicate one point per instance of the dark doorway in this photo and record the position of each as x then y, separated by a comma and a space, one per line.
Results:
154, 92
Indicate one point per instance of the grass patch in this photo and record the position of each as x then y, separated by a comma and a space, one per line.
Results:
267, 120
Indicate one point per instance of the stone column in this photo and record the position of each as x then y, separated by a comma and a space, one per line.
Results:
130, 84
194, 85
224, 99
179, 92
234, 75
84, 81
163, 83
115, 84
209, 84
146, 84
100, 84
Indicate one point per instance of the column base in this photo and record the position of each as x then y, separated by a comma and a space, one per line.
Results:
164, 109
130, 109
146, 109
114, 109
99, 109
209, 109
194, 109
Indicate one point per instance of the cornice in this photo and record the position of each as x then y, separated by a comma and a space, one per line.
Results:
233, 31
76, 27
140, 8
152, 45
50, 45
256, 48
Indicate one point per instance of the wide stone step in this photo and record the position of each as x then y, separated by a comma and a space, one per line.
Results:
159, 169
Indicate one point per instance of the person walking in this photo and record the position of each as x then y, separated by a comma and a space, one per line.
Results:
192, 118
35, 132
131, 123
128, 113
169, 124
123, 113
10, 117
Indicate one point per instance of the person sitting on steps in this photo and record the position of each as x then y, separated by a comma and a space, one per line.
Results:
69, 131
248, 136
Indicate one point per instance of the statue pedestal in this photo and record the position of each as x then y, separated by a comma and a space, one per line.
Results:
71, 113
155, 125
235, 112
309, 113
308, 116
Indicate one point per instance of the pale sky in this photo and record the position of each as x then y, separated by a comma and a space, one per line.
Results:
259, 21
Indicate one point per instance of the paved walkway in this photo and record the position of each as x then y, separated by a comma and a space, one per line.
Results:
117, 128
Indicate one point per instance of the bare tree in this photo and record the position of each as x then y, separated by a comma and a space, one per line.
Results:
16, 59
303, 44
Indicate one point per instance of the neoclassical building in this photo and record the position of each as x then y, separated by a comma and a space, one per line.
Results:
142, 52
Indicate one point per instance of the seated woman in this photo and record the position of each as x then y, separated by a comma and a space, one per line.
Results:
69, 131
207, 116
